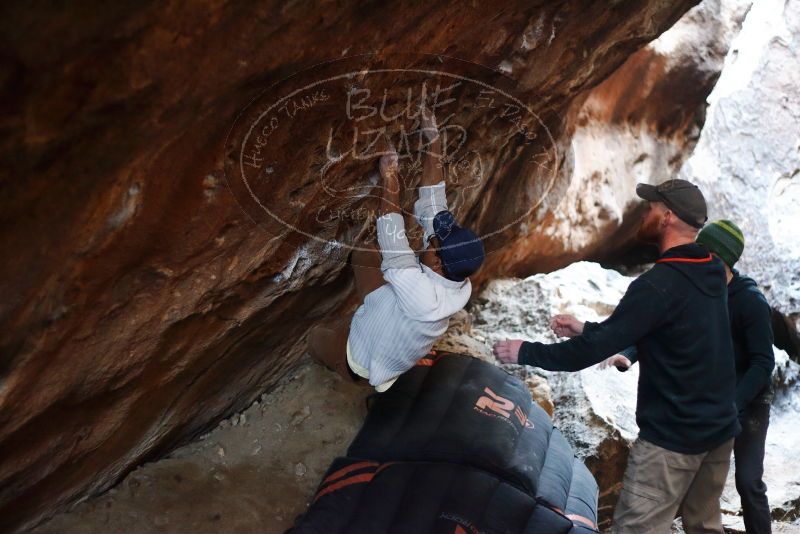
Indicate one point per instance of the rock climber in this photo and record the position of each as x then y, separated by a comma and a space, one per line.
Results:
676, 314
405, 301
751, 328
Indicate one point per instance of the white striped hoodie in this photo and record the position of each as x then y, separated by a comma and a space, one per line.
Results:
399, 322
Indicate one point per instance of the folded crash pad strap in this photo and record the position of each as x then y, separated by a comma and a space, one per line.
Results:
357, 473
575, 517
580, 519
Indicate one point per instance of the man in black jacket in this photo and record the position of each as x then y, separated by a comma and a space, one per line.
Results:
751, 328
676, 315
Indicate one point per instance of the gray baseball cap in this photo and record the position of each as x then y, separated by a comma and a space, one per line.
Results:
684, 199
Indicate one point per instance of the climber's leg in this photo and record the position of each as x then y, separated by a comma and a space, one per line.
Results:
366, 264
327, 343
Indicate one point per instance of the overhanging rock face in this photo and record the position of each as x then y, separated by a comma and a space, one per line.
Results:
140, 301
639, 125
747, 156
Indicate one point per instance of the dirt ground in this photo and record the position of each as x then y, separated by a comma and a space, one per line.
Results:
253, 474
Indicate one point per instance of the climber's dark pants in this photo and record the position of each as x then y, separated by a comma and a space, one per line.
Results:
748, 452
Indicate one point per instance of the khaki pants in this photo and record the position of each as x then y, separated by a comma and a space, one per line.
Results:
660, 484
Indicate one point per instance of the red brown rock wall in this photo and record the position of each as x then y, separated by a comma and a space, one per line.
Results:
139, 302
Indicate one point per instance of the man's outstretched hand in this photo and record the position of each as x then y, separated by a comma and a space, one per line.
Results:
507, 351
618, 360
565, 325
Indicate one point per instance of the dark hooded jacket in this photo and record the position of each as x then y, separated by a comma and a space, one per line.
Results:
751, 329
752, 333
676, 314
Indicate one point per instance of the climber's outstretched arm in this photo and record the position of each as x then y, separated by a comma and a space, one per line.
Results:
432, 198
390, 184
433, 169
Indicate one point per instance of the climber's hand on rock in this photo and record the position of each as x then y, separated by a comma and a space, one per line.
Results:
565, 325
390, 171
428, 125
507, 351
618, 360
390, 181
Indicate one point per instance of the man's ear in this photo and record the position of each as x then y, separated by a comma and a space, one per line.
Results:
666, 220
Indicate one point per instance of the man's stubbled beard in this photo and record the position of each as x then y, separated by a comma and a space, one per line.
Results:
649, 231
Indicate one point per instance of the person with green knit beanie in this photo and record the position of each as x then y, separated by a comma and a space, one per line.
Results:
750, 317
724, 239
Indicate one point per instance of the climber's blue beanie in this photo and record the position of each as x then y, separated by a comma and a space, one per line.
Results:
460, 250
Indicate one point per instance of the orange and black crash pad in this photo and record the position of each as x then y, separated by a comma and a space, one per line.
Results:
456, 445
